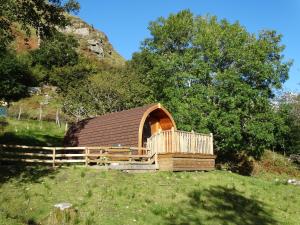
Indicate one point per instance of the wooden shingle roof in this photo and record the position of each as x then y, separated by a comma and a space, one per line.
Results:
118, 128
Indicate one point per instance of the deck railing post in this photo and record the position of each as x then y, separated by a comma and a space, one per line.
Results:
172, 139
159, 142
211, 144
130, 155
192, 142
156, 161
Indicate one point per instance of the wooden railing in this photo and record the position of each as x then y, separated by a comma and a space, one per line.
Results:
171, 141
81, 155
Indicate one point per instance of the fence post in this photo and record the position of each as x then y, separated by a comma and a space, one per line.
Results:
20, 112
86, 156
53, 156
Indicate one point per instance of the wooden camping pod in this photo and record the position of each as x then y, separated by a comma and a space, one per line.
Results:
125, 128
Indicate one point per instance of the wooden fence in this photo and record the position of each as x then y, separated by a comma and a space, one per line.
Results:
81, 155
172, 141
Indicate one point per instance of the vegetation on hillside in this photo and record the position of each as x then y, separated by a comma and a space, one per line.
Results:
289, 110
31, 132
45, 17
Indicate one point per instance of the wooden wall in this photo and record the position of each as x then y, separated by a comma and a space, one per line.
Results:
185, 162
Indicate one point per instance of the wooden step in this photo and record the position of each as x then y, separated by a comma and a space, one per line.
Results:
128, 168
139, 171
132, 167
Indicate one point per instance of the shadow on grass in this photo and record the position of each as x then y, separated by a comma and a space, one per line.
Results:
217, 205
24, 173
20, 171
21, 139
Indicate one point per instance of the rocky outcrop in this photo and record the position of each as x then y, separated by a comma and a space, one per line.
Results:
93, 42
96, 46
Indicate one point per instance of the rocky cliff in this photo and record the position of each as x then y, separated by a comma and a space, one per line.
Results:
92, 42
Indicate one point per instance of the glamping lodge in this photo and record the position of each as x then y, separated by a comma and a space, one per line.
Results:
142, 138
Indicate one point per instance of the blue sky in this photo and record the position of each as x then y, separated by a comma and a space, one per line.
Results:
125, 22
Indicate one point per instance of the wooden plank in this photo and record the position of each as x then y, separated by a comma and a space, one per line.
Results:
211, 144
70, 148
185, 164
117, 155
120, 162
132, 167
26, 154
185, 155
70, 161
26, 160
69, 155
26, 147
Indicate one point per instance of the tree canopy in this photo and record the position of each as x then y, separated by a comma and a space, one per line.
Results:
215, 76
103, 92
15, 77
44, 17
288, 109
57, 51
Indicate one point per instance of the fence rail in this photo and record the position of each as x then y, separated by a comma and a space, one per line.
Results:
172, 141
83, 155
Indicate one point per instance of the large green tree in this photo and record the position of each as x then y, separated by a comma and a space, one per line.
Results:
288, 110
216, 77
105, 92
56, 52
15, 77
43, 16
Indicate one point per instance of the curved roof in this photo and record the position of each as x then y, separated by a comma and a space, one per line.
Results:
124, 128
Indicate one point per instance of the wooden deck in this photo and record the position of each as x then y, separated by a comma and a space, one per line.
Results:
182, 151
185, 162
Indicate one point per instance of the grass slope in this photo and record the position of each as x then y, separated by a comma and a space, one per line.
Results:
27, 196
31, 132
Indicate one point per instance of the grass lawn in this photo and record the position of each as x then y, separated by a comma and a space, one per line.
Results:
27, 196
31, 132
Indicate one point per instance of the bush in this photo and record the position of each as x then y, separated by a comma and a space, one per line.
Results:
295, 158
238, 162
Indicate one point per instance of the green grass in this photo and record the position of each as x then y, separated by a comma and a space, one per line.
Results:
31, 132
30, 106
27, 196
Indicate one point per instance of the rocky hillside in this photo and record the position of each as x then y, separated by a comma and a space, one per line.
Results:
93, 43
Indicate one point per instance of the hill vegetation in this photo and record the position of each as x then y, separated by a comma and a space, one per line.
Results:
31, 132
